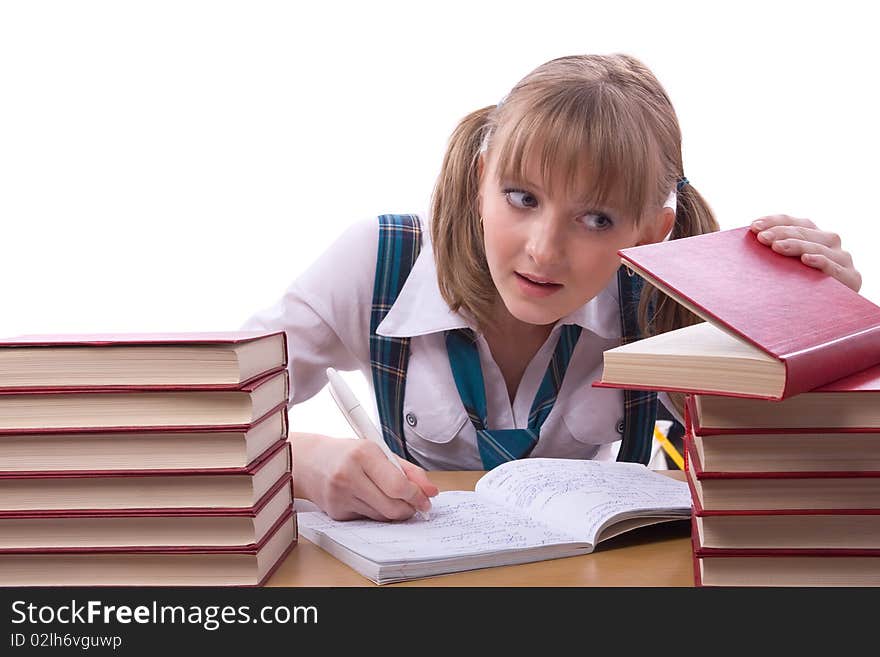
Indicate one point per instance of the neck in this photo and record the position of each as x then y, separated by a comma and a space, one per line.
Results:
513, 344
509, 329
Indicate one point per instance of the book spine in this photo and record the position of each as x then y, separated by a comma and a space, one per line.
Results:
694, 546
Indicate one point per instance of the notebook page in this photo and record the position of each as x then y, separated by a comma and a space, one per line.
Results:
578, 497
460, 525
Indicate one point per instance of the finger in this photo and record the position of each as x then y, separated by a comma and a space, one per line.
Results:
390, 492
771, 235
848, 276
353, 510
364, 510
763, 223
372, 502
419, 477
796, 247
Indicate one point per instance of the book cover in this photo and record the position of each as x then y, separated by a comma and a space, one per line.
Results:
816, 327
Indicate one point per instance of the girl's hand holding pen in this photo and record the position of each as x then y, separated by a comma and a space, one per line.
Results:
817, 248
354, 479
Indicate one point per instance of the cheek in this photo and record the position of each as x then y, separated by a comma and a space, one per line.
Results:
593, 271
499, 237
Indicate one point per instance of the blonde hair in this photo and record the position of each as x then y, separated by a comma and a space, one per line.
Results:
607, 112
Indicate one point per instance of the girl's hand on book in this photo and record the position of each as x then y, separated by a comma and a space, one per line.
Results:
817, 248
353, 479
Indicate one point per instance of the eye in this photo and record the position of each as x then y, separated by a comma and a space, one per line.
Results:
597, 221
519, 198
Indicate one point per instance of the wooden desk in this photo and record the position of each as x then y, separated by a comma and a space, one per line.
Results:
660, 555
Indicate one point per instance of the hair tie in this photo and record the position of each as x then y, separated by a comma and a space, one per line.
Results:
681, 183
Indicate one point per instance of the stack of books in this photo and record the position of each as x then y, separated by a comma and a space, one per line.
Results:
787, 493
782, 412
144, 459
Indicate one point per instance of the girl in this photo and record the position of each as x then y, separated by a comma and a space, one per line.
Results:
482, 342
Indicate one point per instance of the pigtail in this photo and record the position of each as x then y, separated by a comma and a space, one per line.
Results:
657, 312
693, 216
456, 229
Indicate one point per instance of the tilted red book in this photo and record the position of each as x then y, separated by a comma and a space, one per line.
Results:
817, 328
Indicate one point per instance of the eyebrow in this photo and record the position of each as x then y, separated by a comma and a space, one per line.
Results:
513, 179
587, 202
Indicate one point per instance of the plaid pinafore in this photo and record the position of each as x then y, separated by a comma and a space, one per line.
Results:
399, 245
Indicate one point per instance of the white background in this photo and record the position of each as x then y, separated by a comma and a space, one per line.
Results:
174, 165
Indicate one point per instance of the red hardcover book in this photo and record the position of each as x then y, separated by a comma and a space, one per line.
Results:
781, 490
225, 565
152, 448
787, 529
789, 435
784, 567
221, 360
848, 405
192, 488
774, 326
81, 409
145, 528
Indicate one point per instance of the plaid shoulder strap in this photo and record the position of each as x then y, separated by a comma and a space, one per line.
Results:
400, 239
639, 406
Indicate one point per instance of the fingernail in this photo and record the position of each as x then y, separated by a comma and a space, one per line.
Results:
758, 224
766, 235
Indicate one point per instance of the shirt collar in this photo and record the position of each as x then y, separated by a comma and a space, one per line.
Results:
420, 308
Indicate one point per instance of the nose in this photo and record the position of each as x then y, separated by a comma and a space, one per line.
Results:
546, 241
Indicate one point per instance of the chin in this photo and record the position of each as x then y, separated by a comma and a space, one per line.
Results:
531, 313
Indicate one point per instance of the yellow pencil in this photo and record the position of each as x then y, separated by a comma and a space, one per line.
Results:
669, 448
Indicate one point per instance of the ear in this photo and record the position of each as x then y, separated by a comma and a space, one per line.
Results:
657, 230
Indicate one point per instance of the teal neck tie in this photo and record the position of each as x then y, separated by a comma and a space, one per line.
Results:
498, 446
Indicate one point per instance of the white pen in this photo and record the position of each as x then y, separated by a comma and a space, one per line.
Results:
359, 419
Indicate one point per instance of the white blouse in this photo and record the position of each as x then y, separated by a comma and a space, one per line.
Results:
326, 314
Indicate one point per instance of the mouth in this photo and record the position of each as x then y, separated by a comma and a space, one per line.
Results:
539, 286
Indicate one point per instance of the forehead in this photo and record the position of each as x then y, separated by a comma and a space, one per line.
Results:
570, 177
582, 154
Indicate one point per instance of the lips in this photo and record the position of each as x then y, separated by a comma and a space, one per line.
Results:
536, 286
534, 278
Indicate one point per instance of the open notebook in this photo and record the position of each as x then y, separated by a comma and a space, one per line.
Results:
522, 511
